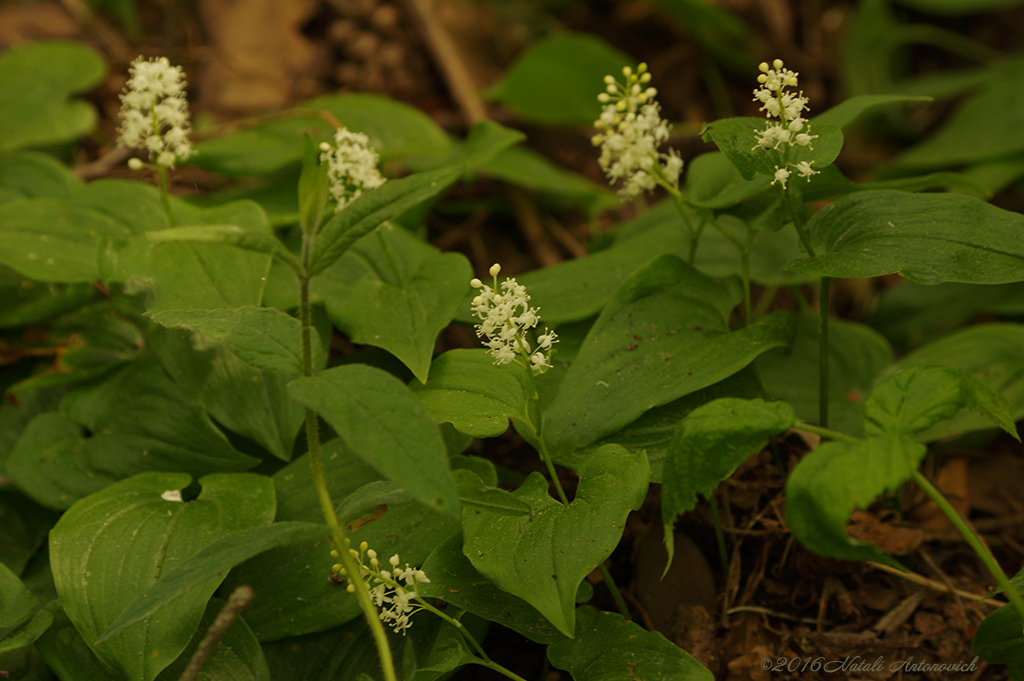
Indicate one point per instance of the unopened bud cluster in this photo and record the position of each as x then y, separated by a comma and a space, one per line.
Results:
352, 166
630, 130
505, 317
786, 125
392, 590
154, 112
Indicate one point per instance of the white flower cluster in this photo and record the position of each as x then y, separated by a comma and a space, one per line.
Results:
791, 127
505, 316
154, 112
352, 166
630, 130
391, 590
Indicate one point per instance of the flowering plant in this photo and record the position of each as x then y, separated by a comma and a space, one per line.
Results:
216, 407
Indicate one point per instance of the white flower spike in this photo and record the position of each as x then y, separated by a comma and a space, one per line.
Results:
791, 128
630, 130
392, 592
352, 166
505, 316
154, 112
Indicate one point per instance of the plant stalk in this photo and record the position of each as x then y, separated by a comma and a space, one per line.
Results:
823, 353
972, 539
320, 484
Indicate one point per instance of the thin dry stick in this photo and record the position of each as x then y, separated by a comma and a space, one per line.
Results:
937, 586
240, 598
446, 55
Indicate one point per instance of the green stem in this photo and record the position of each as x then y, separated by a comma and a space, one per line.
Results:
723, 553
825, 432
765, 301
316, 465
609, 581
823, 353
677, 198
745, 264
165, 194
972, 539
798, 223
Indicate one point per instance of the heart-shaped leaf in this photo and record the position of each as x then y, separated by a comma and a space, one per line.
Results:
542, 558
664, 334
382, 422
608, 647
709, 444
214, 561
243, 399
837, 477
454, 579
393, 291
112, 546
468, 390
915, 399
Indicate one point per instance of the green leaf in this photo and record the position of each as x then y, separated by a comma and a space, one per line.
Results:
141, 420
640, 353
53, 240
543, 558
345, 653
454, 579
712, 181
915, 399
473, 493
736, 139
314, 188
959, 7
30, 174
524, 167
928, 238
109, 548
395, 129
264, 337
28, 302
653, 431
248, 401
66, 652
983, 128
707, 447
27, 633
557, 79
770, 251
236, 657
48, 466
23, 526
485, 140
16, 603
576, 289
468, 390
990, 353
837, 477
213, 561
296, 594
857, 355
39, 77
374, 208
998, 639
395, 292
846, 112
913, 314
382, 422
608, 647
